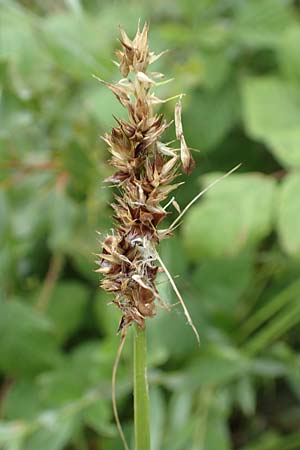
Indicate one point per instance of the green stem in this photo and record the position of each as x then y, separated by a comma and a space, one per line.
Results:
141, 397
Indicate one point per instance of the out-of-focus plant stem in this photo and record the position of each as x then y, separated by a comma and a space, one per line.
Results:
141, 397
55, 267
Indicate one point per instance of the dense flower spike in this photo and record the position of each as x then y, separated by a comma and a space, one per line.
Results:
145, 170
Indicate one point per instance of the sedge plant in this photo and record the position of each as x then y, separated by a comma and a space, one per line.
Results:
145, 172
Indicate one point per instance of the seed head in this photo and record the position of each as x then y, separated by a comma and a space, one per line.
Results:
145, 172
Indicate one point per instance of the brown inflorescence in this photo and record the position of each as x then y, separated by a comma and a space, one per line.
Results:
145, 170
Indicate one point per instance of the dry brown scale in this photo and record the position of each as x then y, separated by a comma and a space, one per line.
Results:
145, 170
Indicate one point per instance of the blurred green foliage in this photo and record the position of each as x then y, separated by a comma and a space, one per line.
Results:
237, 252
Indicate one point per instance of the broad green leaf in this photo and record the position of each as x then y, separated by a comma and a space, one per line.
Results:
268, 368
4, 217
288, 54
21, 48
218, 286
168, 324
217, 433
213, 367
157, 418
12, 435
62, 386
236, 214
181, 438
222, 105
83, 261
70, 41
288, 214
63, 220
22, 401
85, 242
245, 395
106, 313
75, 6
179, 409
88, 367
27, 342
68, 301
73, 41
81, 166
97, 415
216, 68
271, 109
31, 217
6, 263
99, 356
271, 440
18, 121
96, 97
53, 433
211, 424
260, 23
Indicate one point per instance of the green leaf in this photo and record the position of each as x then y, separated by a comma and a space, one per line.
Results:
217, 433
4, 221
260, 23
81, 167
179, 409
88, 367
22, 400
275, 305
271, 440
216, 68
245, 395
27, 342
30, 219
236, 214
288, 214
218, 286
70, 41
157, 418
271, 108
211, 428
215, 366
288, 54
222, 105
82, 250
98, 416
63, 219
11, 435
107, 314
84, 262
161, 342
285, 320
180, 439
20, 47
54, 433
268, 368
68, 301
97, 96
98, 356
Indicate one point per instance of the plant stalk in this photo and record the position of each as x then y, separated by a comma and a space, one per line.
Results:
141, 397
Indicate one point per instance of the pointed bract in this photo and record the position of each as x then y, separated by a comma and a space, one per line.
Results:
145, 170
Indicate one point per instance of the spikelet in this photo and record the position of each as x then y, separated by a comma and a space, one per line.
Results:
145, 172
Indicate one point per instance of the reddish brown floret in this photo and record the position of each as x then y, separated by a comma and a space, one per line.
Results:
145, 170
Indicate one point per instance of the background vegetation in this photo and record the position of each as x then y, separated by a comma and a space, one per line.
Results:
237, 252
